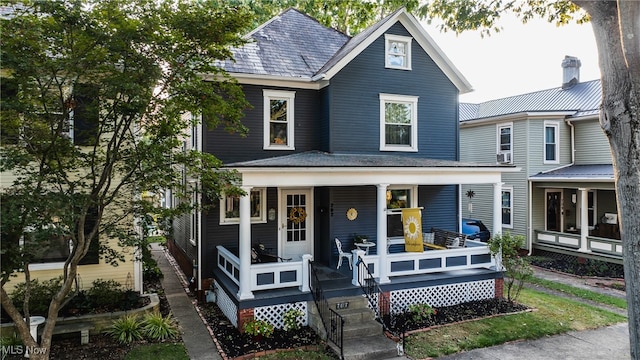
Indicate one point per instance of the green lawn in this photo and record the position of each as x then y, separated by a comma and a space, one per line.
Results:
553, 315
581, 293
156, 239
168, 351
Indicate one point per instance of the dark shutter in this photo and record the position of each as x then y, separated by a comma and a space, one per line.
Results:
93, 256
85, 115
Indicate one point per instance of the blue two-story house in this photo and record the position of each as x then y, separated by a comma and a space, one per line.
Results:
344, 133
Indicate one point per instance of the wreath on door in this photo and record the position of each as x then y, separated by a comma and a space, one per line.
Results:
297, 215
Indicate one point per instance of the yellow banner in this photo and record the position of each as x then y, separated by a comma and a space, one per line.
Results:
412, 225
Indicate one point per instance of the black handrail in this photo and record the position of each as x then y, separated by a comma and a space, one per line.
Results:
334, 327
382, 305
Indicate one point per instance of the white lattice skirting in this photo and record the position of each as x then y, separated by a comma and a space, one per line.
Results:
274, 314
442, 295
228, 308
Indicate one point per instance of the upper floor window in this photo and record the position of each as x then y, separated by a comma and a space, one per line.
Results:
397, 52
230, 207
398, 122
505, 143
278, 119
507, 207
398, 198
551, 142
85, 115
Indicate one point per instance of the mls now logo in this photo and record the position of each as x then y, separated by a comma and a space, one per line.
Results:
22, 350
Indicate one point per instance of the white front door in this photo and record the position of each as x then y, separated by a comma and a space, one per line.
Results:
296, 223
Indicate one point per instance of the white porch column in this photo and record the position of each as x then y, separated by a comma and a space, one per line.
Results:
244, 251
584, 218
382, 232
497, 218
497, 208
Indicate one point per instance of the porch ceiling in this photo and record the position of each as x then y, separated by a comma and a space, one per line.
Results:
317, 168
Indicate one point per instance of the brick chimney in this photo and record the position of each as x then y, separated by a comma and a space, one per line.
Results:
570, 71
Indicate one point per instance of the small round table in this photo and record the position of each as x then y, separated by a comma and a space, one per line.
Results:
365, 246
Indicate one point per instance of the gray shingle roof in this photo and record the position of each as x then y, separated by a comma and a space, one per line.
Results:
583, 98
576, 172
324, 159
291, 44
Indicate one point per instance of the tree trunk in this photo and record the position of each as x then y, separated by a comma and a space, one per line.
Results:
619, 117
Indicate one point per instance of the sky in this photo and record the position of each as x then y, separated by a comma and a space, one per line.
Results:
522, 58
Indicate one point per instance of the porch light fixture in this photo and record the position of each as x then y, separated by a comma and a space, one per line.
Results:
272, 214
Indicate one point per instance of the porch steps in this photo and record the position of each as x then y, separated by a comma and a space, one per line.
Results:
362, 334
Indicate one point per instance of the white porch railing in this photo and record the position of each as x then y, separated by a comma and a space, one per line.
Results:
574, 242
264, 276
475, 255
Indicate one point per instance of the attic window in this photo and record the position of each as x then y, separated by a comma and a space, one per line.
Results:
397, 52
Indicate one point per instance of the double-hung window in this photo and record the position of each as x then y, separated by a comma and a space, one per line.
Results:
507, 207
278, 119
397, 52
398, 198
398, 122
505, 143
551, 144
230, 207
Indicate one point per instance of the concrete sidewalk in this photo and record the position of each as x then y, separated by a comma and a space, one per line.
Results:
195, 334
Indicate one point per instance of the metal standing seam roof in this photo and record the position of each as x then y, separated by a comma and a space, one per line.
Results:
318, 159
584, 98
577, 172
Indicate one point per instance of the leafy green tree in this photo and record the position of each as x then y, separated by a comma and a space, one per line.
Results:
616, 25
125, 73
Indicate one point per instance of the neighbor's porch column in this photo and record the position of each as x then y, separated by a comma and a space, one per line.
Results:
584, 218
497, 219
382, 232
244, 251
497, 208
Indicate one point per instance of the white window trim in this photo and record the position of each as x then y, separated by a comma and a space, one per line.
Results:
508, 189
413, 201
196, 132
413, 100
254, 220
388, 38
556, 126
498, 150
279, 95
193, 218
579, 207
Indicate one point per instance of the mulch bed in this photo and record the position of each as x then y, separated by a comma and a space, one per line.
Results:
457, 313
235, 344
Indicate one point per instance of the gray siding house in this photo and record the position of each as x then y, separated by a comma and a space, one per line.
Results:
345, 132
563, 200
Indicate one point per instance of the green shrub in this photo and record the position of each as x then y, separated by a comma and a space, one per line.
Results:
258, 327
516, 268
150, 268
291, 319
126, 329
40, 295
106, 294
158, 328
421, 312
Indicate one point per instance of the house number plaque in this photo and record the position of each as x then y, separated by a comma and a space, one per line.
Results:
342, 305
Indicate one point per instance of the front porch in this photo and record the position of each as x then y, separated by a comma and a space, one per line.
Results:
271, 282
595, 247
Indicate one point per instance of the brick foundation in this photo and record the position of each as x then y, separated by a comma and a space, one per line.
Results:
244, 316
499, 292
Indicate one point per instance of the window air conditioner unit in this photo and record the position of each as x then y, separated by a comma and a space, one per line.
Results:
504, 158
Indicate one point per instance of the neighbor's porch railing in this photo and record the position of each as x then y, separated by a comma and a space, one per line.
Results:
264, 276
475, 255
574, 242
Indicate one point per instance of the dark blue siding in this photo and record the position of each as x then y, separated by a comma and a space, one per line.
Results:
440, 204
233, 148
355, 104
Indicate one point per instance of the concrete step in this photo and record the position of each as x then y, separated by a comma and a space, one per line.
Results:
356, 315
377, 347
361, 329
354, 302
